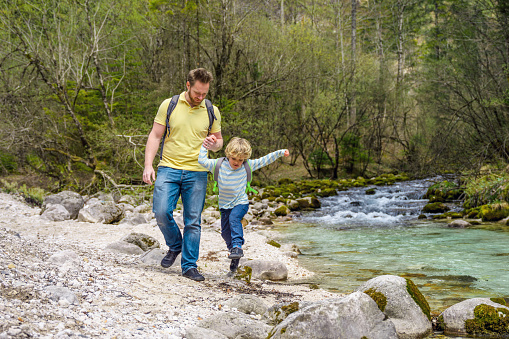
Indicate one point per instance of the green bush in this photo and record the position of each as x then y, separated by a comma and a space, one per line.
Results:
8, 162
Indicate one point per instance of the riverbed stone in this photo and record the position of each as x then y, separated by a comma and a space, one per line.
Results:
458, 223
354, 316
247, 303
453, 320
393, 294
267, 270
236, 325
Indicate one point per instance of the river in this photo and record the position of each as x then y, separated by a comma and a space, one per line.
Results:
354, 237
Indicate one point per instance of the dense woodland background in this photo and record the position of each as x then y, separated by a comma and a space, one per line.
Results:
350, 87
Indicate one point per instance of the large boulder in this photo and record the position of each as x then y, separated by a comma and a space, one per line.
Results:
267, 270
477, 316
72, 201
236, 325
401, 301
354, 316
105, 212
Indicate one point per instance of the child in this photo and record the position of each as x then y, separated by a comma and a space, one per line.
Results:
232, 182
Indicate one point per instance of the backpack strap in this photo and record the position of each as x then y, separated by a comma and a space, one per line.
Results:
173, 103
210, 111
249, 173
217, 166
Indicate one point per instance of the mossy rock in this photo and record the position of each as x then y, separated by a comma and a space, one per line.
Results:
435, 207
274, 243
418, 297
370, 191
439, 216
327, 192
489, 321
282, 211
284, 181
436, 198
444, 190
453, 215
281, 199
422, 216
494, 212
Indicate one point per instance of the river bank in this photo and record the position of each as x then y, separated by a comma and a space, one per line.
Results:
117, 295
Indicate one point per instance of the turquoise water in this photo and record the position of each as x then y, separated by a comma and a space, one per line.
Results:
348, 243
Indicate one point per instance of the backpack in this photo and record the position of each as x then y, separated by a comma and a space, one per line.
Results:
173, 103
249, 173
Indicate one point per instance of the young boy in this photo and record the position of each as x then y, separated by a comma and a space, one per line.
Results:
232, 183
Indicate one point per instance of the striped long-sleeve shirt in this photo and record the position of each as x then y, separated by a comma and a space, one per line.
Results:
232, 183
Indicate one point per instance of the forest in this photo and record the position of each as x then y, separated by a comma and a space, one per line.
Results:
351, 87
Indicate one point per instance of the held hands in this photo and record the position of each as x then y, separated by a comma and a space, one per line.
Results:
287, 152
209, 141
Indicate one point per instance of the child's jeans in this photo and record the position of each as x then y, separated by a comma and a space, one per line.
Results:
231, 225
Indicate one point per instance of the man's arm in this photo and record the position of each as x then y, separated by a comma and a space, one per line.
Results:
153, 140
213, 142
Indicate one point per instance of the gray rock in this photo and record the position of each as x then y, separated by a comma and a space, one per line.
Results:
248, 304
72, 201
155, 256
123, 247
268, 270
100, 212
279, 312
56, 213
144, 208
135, 219
354, 316
56, 293
458, 223
236, 325
203, 333
143, 241
62, 257
408, 318
456, 315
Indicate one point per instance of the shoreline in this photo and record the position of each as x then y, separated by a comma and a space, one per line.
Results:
117, 295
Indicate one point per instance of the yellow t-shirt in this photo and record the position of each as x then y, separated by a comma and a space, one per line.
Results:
188, 127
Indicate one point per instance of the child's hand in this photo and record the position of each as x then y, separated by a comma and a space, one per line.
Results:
287, 152
209, 141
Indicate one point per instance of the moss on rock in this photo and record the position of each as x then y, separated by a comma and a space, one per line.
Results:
488, 321
378, 297
435, 207
274, 243
418, 297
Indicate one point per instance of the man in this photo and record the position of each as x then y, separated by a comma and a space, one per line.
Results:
179, 174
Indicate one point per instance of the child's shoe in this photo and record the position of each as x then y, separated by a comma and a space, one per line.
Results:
234, 265
236, 253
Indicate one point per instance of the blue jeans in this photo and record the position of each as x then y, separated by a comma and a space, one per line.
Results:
231, 225
191, 187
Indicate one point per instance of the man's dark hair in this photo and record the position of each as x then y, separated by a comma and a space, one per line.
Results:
199, 74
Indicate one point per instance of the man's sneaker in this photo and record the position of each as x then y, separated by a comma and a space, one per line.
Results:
236, 253
169, 258
193, 274
234, 265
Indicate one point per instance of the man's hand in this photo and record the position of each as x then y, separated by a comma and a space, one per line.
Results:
210, 141
148, 175
287, 153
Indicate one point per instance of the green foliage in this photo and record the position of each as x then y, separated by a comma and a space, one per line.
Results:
487, 189
32, 195
8, 162
318, 159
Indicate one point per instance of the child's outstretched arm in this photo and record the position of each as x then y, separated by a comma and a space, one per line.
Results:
204, 160
268, 159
